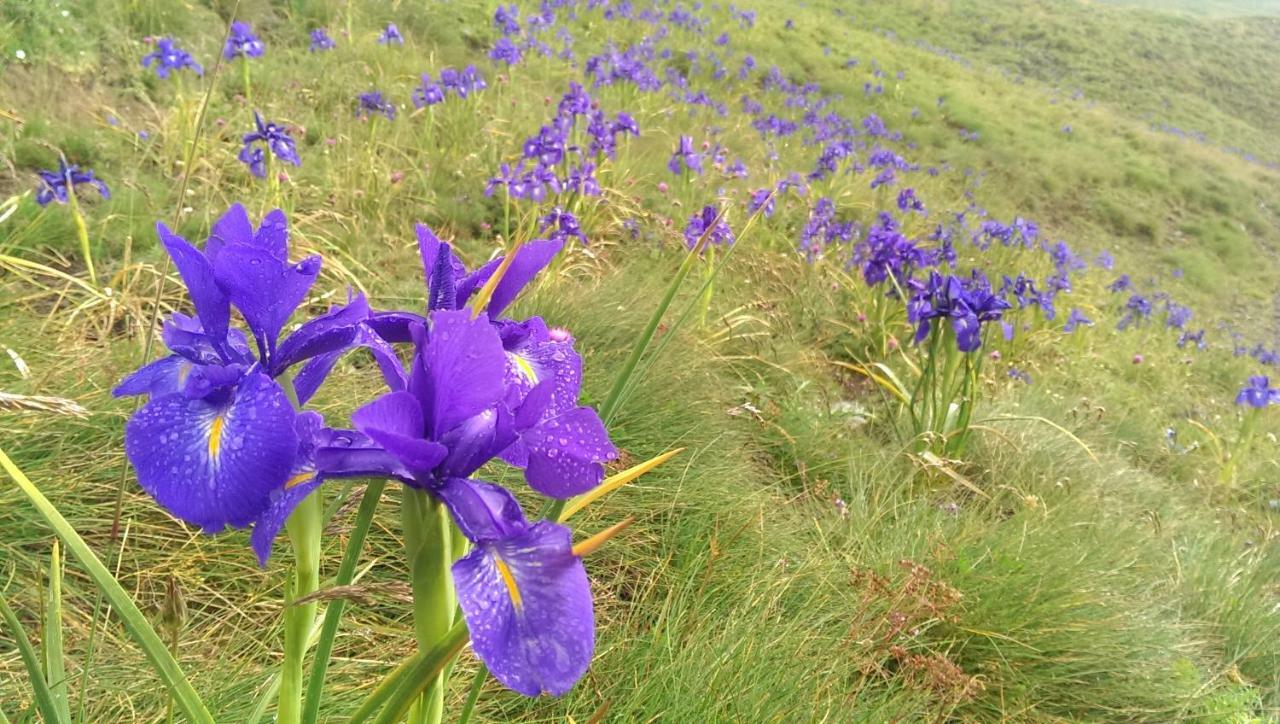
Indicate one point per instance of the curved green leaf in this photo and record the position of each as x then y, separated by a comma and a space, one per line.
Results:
134, 621
45, 702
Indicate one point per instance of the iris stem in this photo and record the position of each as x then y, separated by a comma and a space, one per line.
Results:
304, 526
333, 614
428, 542
244, 72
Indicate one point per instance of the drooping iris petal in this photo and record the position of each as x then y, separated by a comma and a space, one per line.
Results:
271, 522
527, 604
482, 510
566, 453
214, 465
211, 303
536, 358
164, 376
303, 479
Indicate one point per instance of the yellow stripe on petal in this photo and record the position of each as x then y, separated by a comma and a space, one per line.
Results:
525, 368
510, 580
215, 436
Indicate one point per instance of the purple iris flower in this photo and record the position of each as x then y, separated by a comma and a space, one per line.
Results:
275, 138
968, 303
1075, 319
1258, 393
242, 42
908, 201
684, 157
428, 93
563, 225
321, 41
463, 82
762, 200
888, 253
505, 51
58, 185
534, 356
216, 443
507, 19
168, 58
707, 222
523, 593
391, 36
367, 104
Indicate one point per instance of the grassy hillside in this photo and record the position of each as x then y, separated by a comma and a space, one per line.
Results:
1085, 557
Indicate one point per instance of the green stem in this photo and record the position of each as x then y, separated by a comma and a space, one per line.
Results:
333, 614
304, 526
82, 233
244, 72
428, 548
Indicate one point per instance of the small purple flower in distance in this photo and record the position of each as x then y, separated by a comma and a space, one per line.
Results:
708, 223
391, 36
58, 185
275, 138
242, 43
1258, 393
373, 102
168, 58
321, 41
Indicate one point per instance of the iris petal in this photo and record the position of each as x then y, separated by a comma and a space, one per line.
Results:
212, 306
528, 607
214, 465
566, 453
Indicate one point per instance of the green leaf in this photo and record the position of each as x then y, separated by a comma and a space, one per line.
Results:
55, 668
45, 701
134, 621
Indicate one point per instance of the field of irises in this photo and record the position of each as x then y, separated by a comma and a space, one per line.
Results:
638, 360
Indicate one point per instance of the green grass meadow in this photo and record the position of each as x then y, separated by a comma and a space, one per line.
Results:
1083, 560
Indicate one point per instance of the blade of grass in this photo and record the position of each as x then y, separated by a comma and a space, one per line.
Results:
55, 666
333, 614
473, 695
630, 377
133, 619
45, 702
